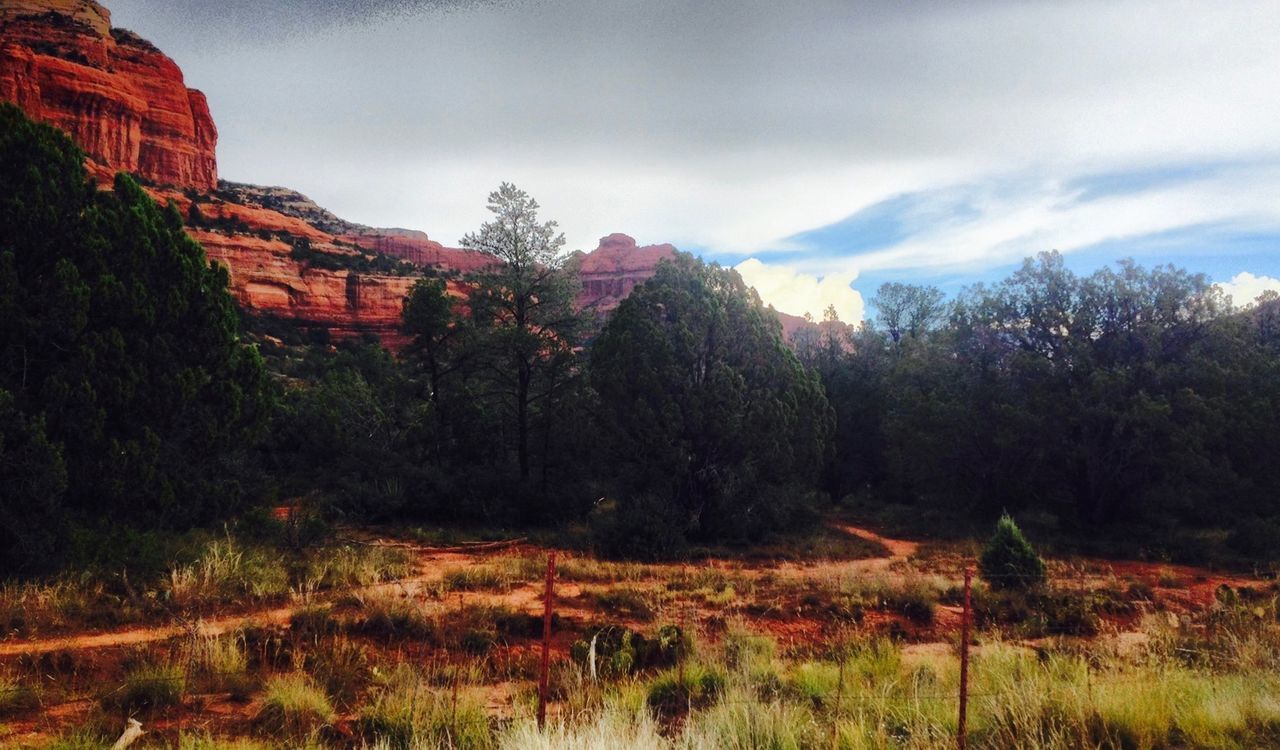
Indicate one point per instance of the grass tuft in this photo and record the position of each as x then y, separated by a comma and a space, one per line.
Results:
148, 688
293, 706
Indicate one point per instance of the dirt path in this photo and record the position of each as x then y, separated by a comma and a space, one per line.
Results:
1193, 587
431, 567
899, 549
137, 636
523, 597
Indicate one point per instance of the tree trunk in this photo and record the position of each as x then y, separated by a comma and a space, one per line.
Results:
522, 419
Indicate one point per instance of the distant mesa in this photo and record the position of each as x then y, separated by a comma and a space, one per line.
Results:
618, 265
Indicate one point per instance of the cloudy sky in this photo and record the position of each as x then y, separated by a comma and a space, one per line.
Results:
821, 147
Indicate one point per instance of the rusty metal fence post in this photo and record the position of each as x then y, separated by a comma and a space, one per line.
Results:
962, 728
546, 641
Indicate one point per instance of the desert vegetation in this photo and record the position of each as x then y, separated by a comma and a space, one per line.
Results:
860, 652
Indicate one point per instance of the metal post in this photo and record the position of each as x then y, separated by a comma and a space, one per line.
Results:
962, 729
546, 641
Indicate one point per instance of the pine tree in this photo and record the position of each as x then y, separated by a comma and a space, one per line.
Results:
1009, 561
525, 322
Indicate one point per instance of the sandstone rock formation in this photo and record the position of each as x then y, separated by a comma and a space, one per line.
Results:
125, 103
614, 268
267, 280
618, 265
407, 244
118, 96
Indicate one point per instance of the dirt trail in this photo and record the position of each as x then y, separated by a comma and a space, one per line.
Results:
1194, 587
899, 549
431, 566
137, 636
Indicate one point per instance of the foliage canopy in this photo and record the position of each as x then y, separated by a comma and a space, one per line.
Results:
125, 393
703, 407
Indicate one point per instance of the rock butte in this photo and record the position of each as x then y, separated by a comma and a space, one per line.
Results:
126, 104
614, 268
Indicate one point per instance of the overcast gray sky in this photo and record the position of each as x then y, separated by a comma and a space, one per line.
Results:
835, 143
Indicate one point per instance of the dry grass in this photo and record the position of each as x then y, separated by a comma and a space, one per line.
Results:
1208, 682
293, 706
227, 573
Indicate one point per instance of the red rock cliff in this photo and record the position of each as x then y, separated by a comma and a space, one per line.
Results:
122, 100
614, 268
125, 103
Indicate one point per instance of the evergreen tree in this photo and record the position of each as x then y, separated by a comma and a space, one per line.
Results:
119, 350
704, 408
1008, 561
436, 353
526, 327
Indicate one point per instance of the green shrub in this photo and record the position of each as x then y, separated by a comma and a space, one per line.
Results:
748, 652
16, 697
915, 600
312, 623
293, 706
744, 724
406, 714
677, 690
625, 601
1039, 612
342, 667
225, 573
220, 664
474, 578
149, 687
1009, 562
392, 616
643, 528
81, 739
620, 651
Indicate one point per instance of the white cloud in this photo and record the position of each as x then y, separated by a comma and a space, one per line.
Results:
1011, 217
797, 293
731, 124
1244, 287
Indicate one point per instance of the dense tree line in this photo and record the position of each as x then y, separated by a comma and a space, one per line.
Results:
682, 417
127, 395
1127, 396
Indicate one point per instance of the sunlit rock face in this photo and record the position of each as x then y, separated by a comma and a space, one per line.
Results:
125, 103
614, 268
122, 100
